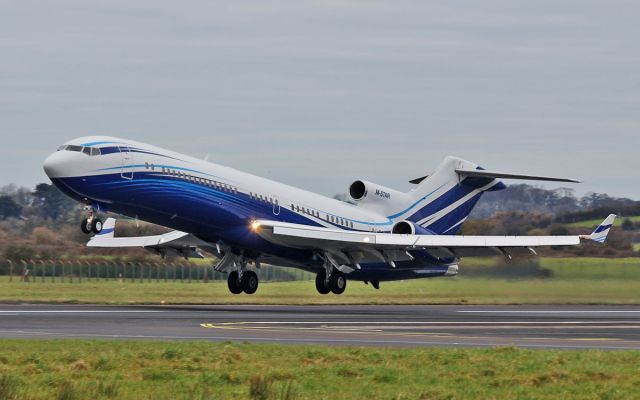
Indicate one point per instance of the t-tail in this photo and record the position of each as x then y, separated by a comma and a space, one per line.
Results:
441, 202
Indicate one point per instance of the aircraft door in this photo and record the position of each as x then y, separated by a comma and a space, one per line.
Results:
276, 205
127, 162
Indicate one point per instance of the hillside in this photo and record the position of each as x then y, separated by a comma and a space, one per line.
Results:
533, 199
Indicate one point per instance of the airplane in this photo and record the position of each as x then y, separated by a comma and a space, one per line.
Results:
382, 234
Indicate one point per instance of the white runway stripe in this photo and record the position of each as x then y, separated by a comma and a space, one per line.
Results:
549, 311
81, 311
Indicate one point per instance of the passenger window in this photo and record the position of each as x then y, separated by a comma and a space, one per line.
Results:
153, 167
146, 165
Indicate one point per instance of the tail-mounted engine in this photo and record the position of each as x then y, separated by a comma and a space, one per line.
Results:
376, 197
409, 228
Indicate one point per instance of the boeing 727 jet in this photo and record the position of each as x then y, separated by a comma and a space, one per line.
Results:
245, 220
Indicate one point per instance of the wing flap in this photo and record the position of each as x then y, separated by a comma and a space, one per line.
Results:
369, 246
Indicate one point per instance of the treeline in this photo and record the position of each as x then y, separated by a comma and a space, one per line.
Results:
42, 223
533, 199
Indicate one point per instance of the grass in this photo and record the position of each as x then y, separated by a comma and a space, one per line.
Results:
82, 369
576, 281
458, 290
636, 247
592, 223
593, 267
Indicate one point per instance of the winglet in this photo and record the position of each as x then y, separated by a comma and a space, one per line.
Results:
108, 228
600, 233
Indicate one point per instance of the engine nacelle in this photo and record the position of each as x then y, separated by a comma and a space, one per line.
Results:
376, 197
409, 228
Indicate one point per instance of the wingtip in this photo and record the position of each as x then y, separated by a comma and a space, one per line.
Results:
602, 231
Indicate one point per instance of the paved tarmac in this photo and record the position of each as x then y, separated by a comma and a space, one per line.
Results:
566, 327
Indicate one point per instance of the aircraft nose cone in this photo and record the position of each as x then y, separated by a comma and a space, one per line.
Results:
53, 164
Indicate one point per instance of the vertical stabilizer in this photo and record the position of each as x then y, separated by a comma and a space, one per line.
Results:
442, 201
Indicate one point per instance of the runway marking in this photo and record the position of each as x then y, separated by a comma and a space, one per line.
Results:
549, 311
595, 323
81, 312
311, 341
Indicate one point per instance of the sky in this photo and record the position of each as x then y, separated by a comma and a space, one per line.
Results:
319, 93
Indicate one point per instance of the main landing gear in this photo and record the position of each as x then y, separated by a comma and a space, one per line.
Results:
91, 224
247, 283
240, 279
336, 283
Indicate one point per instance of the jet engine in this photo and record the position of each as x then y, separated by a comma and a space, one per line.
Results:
409, 228
376, 197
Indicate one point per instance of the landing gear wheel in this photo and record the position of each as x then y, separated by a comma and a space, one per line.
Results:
233, 283
249, 282
321, 287
96, 225
337, 282
85, 226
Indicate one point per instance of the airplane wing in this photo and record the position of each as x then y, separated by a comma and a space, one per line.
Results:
354, 247
180, 243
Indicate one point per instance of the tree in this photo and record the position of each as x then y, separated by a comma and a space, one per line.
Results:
627, 225
8, 208
50, 201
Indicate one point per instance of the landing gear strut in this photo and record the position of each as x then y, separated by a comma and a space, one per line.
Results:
91, 224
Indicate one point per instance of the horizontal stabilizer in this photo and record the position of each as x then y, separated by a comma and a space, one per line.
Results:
176, 242
481, 173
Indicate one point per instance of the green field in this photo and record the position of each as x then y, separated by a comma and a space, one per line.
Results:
428, 291
593, 268
83, 369
575, 281
592, 223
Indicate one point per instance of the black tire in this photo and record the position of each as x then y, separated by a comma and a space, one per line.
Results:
249, 282
337, 282
321, 287
85, 227
233, 283
96, 225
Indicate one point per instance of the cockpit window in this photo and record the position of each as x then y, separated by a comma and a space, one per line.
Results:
90, 151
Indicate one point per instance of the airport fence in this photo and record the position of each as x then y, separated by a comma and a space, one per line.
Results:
65, 271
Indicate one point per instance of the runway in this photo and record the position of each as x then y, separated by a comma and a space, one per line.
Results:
565, 327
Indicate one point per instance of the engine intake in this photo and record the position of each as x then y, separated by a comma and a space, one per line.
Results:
377, 197
358, 190
408, 228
